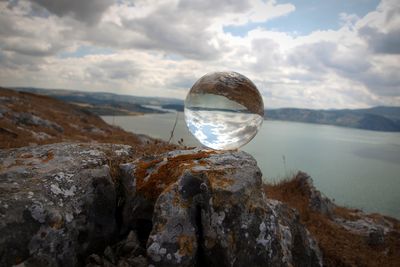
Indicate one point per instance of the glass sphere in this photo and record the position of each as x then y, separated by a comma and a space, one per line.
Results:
224, 110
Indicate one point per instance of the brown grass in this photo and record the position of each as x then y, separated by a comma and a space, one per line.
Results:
78, 124
339, 246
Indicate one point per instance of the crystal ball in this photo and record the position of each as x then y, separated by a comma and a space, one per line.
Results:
224, 110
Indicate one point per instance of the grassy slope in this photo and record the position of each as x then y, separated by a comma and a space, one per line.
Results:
77, 123
339, 246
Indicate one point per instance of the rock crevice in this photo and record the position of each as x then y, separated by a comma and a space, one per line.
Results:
60, 207
215, 213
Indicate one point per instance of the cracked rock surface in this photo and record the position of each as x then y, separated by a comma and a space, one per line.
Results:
59, 206
57, 203
213, 212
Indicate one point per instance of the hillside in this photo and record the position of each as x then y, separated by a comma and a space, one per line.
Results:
102, 103
347, 237
377, 118
30, 119
385, 119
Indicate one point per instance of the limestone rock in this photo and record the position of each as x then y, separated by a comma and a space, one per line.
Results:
59, 206
57, 203
210, 210
29, 119
318, 202
127, 252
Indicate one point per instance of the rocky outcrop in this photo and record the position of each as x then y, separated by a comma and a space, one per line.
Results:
213, 212
60, 206
317, 202
57, 203
27, 119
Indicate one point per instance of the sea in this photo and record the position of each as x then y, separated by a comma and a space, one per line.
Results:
355, 168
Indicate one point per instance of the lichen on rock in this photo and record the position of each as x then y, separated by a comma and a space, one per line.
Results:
215, 213
59, 207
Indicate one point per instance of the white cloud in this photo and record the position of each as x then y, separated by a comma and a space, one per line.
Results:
161, 47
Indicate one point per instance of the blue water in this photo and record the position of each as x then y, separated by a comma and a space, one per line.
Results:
356, 168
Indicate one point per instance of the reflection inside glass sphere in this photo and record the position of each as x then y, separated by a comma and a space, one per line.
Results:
224, 110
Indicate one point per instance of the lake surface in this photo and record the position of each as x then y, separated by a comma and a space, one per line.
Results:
356, 168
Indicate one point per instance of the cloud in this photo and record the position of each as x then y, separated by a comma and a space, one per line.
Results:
164, 30
113, 70
382, 42
162, 47
30, 35
89, 11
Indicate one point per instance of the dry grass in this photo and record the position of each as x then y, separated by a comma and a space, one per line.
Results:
339, 246
78, 124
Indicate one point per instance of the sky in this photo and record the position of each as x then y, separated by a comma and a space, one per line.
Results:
318, 54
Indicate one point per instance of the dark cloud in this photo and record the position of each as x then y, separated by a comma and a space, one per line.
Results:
382, 42
213, 8
386, 38
20, 62
89, 11
38, 49
7, 27
172, 30
354, 64
382, 83
113, 70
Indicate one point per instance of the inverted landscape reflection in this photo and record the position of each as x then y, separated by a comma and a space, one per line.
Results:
222, 129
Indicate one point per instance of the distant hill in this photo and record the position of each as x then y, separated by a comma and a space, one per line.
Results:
377, 118
102, 103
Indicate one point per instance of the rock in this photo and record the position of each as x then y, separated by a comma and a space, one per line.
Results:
139, 261
59, 206
376, 237
372, 227
109, 254
94, 259
365, 224
317, 201
210, 210
29, 119
131, 245
137, 210
58, 203
126, 252
297, 243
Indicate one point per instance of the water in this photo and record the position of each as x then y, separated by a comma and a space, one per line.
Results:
224, 110
357, 168
222, 129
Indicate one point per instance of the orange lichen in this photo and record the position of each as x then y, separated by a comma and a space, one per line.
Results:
217, 179
49, 156
178, 201
165, 173
186, 244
